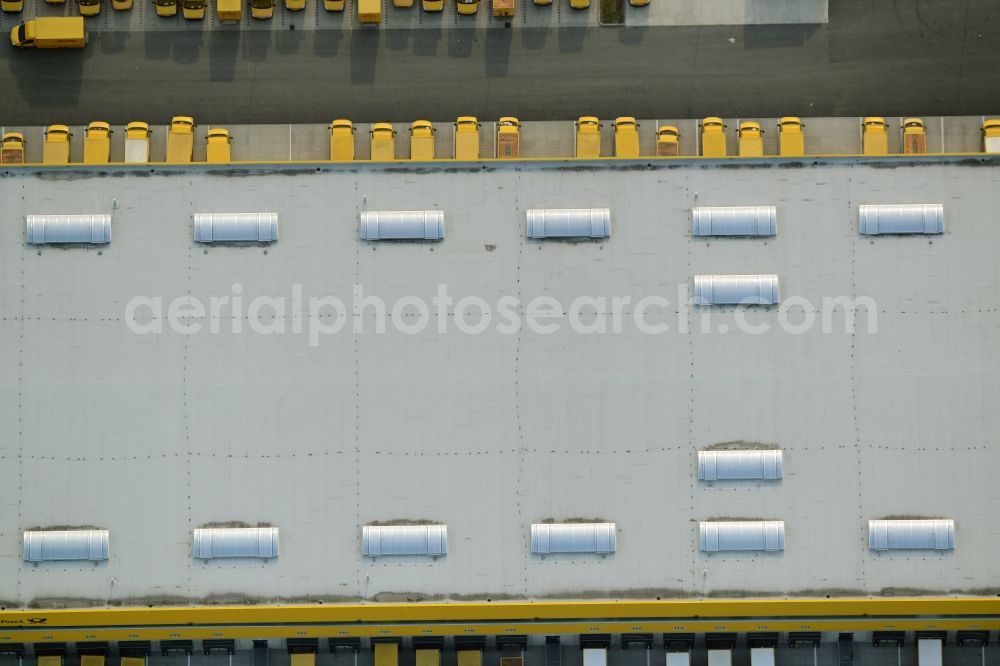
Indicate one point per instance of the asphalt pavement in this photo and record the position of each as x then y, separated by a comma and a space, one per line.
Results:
891, 57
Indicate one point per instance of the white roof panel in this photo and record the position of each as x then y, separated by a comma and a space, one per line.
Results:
48, 545
573, 538
402, 225
901, 219
93, 229
235, 227
569, 223
736, 290
210, 543
738, 465
923, 534
734, 221
379, 540
742, 535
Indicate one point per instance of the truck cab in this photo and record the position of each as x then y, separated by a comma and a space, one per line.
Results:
588, 137
218, 149
121, 5
467, 7
295, 5
422, 140
626, 137
262, 9
991, 135
466, 138
508, 137
89, 7
334, 5
97, 143
193, 10
914, 136
12, 148
668, 141
56, 148
165, 8
875, 138
137, 142
180, 139
12, 6
579, 4
342, 140
432, 6
402, 4
383, 142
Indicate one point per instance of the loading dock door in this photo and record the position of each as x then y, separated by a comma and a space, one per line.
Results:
720, 658
929, 652
762, 656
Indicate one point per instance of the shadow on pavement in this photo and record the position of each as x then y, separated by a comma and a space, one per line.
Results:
187, 46
288, 41
632, 35
364, 55
157, 44
110, 42
326, 43
571, 39
534, 38
222, 51
62, 71
256, 44
398, 39
426, 40
777, 36
498, 52
460, 42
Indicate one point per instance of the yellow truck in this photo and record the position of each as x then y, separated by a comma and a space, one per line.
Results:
370, 12
508, 138
137, 142
259, 9
503, 8
791, 138
751, 139
466, 138
56, 147
668, 141
991, 135
383, 145
467, 7
12, 6
180, 139
626, 137
914, 136
232, 10
193, 10
713, 137
342, 140
421, 141
54, 32
97, 143
89, 7
217, 148
165, 8
121, 5
588, 137
12, 148
874, 138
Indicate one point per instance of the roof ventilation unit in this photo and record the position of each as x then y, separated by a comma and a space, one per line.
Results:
932, 534
734, 221
216, 542
381, 540
53, 545
402, 225
766, 535
235, 227
901, 219
68, 229
736, 289
739, 465
569, 223
549, 538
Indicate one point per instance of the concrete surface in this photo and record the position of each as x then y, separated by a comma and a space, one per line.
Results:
152, 435
539, 139
912, 57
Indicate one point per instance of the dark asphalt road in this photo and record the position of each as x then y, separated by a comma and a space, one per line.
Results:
882, 57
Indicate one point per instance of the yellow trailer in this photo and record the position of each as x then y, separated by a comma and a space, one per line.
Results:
914, 136
504, 8
370, 12
232, 10
218, 148
626, 137
751, 139
713, 137
383, 142
180, 139
421, 149
588, 137
508, 142
96, 150
668, 140
342, 140
466, 138
791, 138
875, 139
56, 148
